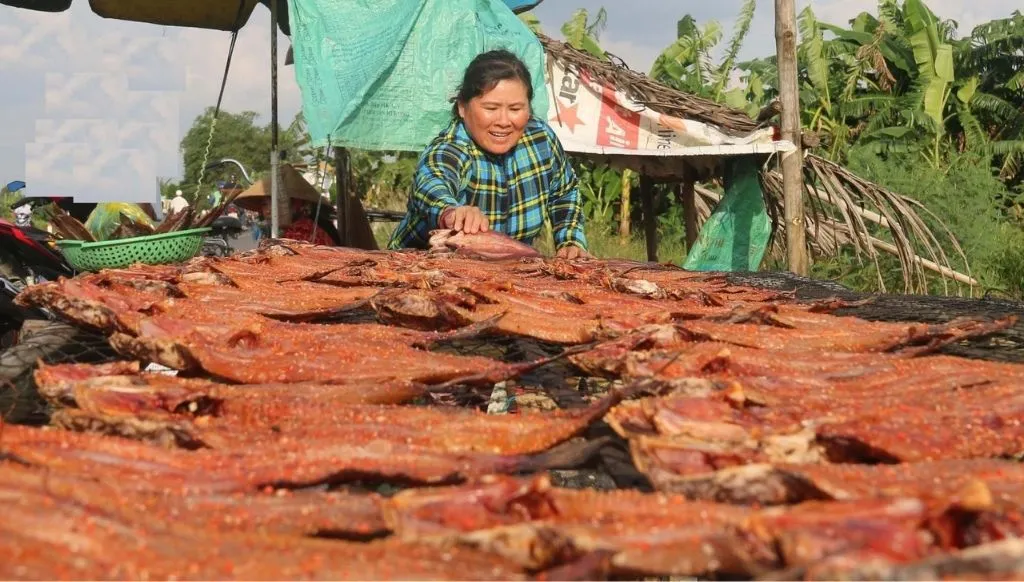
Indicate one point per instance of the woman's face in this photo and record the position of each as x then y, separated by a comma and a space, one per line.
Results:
495, 120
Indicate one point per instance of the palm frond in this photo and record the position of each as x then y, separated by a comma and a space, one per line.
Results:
995, 106
1012, 165
847, 210
740, 31
977, 139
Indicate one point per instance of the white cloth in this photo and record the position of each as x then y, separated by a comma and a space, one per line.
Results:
178, 203
23, 215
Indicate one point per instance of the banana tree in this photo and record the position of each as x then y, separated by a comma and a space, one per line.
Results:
583, 33
993, 58
934, 59
688, 65
907, 77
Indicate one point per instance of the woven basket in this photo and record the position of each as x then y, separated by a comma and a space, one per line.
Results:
156, 249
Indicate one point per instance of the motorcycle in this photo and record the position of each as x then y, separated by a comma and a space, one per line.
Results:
28, 256
223, 230
226, 227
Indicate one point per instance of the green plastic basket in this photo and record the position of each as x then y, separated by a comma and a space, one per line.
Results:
155, 249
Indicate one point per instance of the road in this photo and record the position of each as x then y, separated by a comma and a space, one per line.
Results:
244, 242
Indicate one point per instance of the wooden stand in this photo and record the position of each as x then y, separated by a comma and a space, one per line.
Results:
650, 219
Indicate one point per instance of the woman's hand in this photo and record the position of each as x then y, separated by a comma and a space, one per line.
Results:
571, 252
468, 219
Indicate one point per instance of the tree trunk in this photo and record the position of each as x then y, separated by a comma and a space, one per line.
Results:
627, 176
792, 162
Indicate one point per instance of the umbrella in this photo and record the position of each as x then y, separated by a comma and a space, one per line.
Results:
212, 14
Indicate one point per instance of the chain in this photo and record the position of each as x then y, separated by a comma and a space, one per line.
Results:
206, 157
220, 96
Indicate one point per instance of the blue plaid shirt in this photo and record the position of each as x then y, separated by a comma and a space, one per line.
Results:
516, 191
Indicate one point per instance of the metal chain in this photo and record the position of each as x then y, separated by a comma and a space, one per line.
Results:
220, 95
206, 157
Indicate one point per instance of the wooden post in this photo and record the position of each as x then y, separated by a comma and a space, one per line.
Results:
650, 220
689, 199
627, 176
792, 162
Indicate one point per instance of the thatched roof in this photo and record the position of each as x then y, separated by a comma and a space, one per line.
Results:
650, 93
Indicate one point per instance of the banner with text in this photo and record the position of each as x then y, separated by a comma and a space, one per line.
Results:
594, 117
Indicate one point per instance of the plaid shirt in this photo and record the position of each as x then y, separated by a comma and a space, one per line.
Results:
516, 191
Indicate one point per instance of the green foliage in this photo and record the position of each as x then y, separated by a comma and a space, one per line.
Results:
238, 136
600, 188
688, 63
583, 33
383, 179
966, 198
1008, 263
531, 21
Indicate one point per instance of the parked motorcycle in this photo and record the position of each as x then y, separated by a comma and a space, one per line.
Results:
218, 242
28, 256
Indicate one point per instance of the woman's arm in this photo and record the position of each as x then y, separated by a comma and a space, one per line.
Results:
564, 206
437, 182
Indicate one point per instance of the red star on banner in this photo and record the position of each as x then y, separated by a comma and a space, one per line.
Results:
566, 116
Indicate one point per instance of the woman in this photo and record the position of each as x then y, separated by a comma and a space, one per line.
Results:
495, 167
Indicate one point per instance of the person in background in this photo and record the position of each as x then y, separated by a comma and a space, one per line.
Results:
495, 167
178, 203
23, 215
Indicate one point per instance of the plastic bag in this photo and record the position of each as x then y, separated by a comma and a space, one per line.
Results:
378, 74
735, 236
106, 217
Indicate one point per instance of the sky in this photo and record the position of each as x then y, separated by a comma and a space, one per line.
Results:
96, 108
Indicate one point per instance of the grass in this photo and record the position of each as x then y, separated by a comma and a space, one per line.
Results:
603, 244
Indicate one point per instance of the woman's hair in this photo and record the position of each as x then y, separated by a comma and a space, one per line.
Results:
488, 69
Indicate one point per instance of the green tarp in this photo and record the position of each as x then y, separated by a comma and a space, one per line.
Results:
378, 74
736, 235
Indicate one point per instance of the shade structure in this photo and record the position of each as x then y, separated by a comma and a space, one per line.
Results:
210, 14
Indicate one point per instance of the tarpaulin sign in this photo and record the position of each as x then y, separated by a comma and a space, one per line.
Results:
594, 117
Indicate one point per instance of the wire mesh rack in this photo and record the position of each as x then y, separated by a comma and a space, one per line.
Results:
556, 384
50, 343
1005, 346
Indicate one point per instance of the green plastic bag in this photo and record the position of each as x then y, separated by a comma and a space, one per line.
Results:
378, 74
106, 217
736, 235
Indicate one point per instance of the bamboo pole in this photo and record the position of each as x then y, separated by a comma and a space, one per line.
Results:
627, 175
792, 162
650, 220
866, 214
930, 265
